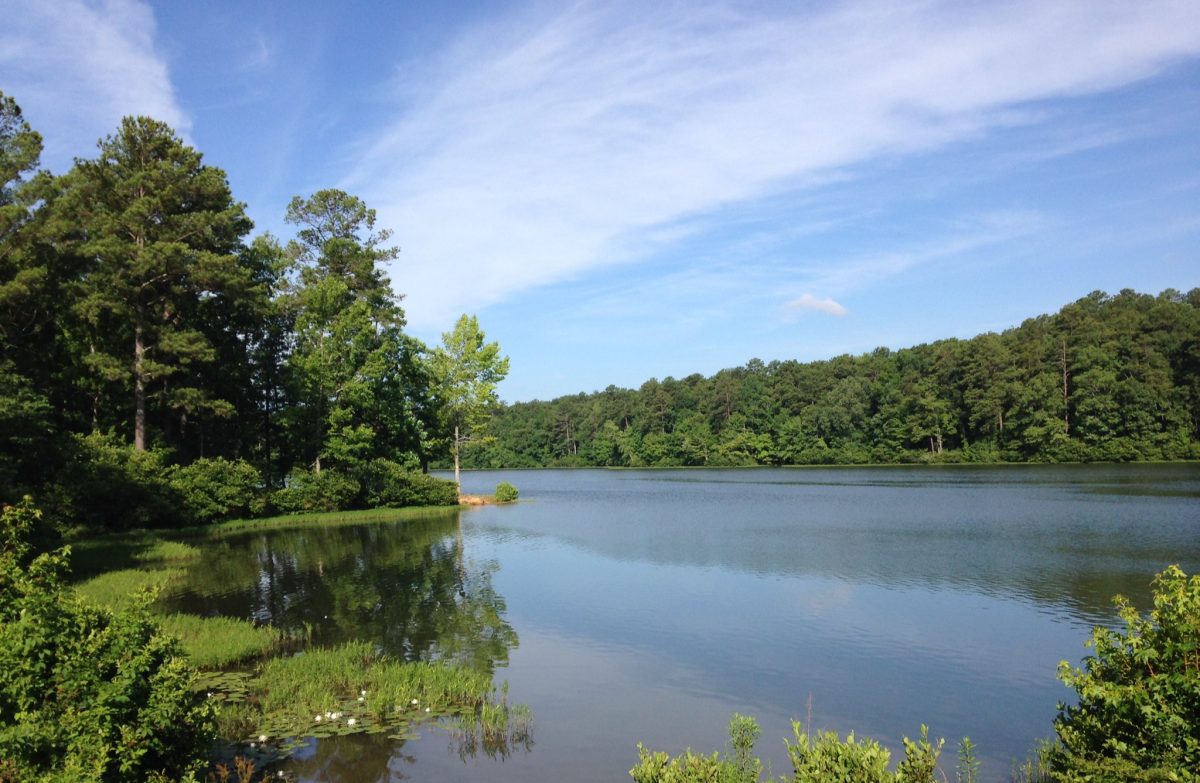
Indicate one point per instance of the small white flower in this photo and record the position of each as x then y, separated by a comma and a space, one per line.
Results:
210, 694
252, 744
362, 693
360, 698
262, 737
350, 721
317, 719
329, 715
414, 702
427, 709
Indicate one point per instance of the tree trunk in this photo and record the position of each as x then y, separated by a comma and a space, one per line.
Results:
457, 482
139, 391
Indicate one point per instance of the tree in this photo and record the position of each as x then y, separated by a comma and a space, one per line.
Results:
359, 388
466, 371
159, 234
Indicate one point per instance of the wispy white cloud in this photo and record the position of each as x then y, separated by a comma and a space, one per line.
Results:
77, 67
812, 303
545, 146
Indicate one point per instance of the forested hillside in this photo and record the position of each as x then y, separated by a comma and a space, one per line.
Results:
1106, 378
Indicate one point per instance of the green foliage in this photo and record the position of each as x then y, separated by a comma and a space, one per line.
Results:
120, 589
109, 485
967, 770
506, 492
307, 491
737, 765
157, 237
1108, 378
828, 758
216, 642
88, 694
387, 484
465, 371
920, 759
823, 758
217, 489
1036, 766
353, 688
1138, 711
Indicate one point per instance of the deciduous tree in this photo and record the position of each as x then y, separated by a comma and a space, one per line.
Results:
466, 371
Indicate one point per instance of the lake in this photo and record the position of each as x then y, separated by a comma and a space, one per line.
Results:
627, 606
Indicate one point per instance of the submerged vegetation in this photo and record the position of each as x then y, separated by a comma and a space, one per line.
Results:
1136, 718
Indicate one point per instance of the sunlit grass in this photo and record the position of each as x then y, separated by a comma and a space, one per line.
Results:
119, 589
322, 519
216, 642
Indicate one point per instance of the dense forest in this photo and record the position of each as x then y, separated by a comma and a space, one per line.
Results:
159, 367
1106, 378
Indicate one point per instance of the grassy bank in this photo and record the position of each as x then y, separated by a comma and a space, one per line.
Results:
268, 697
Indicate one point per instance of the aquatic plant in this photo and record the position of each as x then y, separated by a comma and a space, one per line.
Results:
354, 688
506, 493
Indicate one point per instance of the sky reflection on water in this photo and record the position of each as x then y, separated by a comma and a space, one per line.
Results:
627, 606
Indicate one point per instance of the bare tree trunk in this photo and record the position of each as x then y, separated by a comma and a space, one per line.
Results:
139, 391
457, 442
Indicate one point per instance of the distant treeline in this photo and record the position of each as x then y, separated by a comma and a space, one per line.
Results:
1107, 378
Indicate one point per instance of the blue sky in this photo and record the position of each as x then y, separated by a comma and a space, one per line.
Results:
624, 190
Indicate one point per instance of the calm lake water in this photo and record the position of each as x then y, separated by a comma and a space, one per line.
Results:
627, 606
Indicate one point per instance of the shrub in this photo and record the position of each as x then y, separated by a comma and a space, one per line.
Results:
505, 492
306, 490
389, 484
738, 765
826, 758
1138, 714
108, 485
214, 490
87, 694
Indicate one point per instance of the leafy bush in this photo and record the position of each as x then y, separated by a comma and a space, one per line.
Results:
306, 490
108, 485
823, 758
88, 694
505, 492
213, 490
1138, 715
391, 485
828, 758
738, 765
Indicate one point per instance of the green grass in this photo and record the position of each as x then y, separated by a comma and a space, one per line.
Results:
217, 642
284, 698
118, 589
320, 519
98, 555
